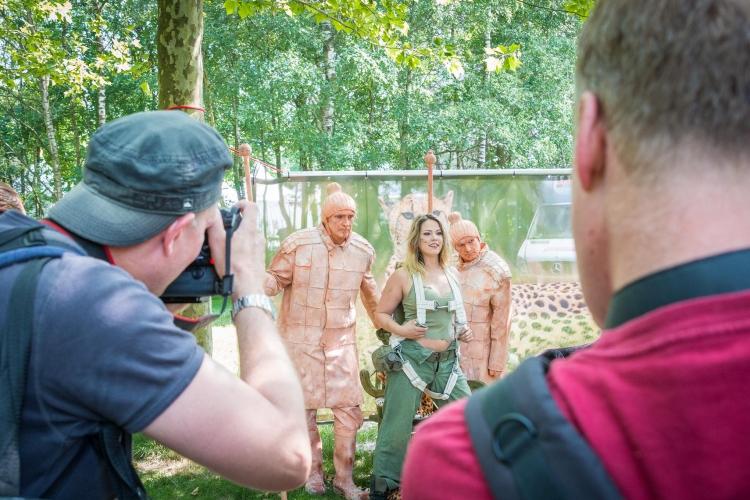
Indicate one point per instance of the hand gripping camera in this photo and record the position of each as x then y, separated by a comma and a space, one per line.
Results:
200, 279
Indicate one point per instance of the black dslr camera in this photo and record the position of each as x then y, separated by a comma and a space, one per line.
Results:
200, 278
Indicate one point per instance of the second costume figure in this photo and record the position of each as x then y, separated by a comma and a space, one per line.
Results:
321, 270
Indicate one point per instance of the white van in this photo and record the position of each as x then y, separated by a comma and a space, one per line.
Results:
548, 253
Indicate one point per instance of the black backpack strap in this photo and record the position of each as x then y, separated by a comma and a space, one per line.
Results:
14, 363
28, 244
527, 449
122, 474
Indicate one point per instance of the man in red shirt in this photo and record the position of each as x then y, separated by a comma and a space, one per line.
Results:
662, 230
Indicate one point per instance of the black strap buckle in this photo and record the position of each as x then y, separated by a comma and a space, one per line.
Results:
513, 436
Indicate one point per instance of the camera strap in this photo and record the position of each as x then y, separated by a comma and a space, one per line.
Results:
231, 223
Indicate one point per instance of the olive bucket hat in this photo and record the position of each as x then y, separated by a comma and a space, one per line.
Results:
142, 172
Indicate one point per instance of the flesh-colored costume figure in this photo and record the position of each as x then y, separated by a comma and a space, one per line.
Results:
485, 285
320, 271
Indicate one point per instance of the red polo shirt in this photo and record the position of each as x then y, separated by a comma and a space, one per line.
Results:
660, 398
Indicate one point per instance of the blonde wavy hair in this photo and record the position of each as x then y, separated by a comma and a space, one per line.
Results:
414, 260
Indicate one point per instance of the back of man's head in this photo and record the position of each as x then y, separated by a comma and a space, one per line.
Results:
9, 199
672, 77
142, 172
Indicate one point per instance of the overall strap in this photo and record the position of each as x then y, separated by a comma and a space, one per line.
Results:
457, 304
527, 449
14, 363
420, 384
423, 305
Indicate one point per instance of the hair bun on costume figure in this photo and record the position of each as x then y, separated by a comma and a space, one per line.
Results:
337, 201
461, 228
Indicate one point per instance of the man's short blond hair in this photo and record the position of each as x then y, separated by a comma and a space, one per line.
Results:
671, 76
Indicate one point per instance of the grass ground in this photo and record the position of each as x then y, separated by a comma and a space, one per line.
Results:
167, 475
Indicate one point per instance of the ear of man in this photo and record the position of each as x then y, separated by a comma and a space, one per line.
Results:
174, 232
591, 141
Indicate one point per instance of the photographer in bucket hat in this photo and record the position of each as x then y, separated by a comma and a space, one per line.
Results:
105, 352
321, 270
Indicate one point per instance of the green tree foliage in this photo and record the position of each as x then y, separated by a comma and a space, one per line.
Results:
50, 64
412, 76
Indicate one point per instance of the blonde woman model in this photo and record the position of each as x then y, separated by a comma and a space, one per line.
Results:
426, 342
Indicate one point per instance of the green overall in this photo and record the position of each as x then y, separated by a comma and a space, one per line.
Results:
402, 400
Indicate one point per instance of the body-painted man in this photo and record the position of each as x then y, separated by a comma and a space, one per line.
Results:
320, 271
485, 285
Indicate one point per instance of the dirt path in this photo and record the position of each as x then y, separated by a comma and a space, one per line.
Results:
225, 348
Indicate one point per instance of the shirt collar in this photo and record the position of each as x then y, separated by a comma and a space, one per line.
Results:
724, 273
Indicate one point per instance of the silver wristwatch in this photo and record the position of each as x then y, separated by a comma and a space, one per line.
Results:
261, 301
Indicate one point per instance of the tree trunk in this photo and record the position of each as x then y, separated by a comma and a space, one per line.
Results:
178, 39
180, 63
208, 101
237, 165
38, 206
50, 127
101, 109
76, 134
483, 135
329, 65
277, 149
403, 128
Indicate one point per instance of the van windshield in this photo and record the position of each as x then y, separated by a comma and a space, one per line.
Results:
551, 222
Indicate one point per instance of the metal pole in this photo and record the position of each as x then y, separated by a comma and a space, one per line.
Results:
245, 151
429, 159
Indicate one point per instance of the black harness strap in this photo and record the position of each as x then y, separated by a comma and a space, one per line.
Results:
526, 447
122, 474
14, 362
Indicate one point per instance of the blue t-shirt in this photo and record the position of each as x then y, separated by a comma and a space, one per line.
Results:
104, 349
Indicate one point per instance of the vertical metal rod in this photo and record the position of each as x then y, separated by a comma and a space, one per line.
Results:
245, 151
429, 159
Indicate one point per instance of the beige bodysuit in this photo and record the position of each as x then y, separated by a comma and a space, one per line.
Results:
485, 286
317, 320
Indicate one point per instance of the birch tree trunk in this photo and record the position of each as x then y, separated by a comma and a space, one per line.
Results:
403, 126
43, 84
483, 137
101, 109
236, 166
76, 134
329, 62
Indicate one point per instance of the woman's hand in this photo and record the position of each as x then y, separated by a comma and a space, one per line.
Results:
495, 374
410, 330
466, 335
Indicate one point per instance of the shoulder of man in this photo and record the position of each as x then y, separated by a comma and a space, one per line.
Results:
309, 236
126, 329
361, 244
493, 264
